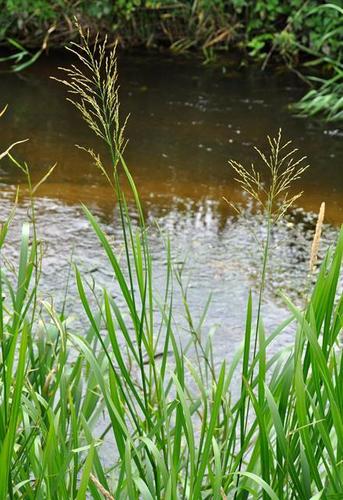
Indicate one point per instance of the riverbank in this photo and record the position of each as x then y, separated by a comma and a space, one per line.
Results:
303, 36
293, 31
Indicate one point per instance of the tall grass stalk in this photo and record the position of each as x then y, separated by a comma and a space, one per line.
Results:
180, 427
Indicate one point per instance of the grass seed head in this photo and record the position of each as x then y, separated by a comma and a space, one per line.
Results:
94, 91
283, 166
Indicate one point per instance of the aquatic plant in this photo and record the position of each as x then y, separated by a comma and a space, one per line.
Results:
180, 426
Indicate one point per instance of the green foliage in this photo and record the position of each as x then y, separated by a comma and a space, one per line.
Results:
40, 9
326, 101
326, 98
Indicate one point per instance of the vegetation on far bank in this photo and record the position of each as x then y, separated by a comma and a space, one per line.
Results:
304, 35
177, 424
263, 28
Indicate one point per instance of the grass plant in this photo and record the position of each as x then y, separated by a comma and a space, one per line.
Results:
182, 427
325, 99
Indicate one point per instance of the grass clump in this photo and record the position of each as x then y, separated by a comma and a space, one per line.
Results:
326, 99
182, 427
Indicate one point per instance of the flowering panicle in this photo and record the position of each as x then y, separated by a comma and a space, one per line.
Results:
284, 169
94, 87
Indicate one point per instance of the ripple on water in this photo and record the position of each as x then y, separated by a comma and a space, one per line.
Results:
220, 258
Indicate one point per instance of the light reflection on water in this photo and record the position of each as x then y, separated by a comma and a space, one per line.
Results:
220, 257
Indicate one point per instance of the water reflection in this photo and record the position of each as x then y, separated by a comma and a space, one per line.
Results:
221, 257
186, 121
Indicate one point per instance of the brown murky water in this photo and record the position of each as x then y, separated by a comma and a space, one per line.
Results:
186, 121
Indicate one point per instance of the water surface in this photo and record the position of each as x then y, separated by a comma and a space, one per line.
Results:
186, 121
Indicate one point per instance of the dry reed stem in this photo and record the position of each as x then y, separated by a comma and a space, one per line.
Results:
100, 488
8, 150
316, 239
3, 111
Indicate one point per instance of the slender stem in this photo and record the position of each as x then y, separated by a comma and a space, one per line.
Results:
258, 319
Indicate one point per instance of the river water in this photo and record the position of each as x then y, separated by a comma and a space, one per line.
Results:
186, 121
